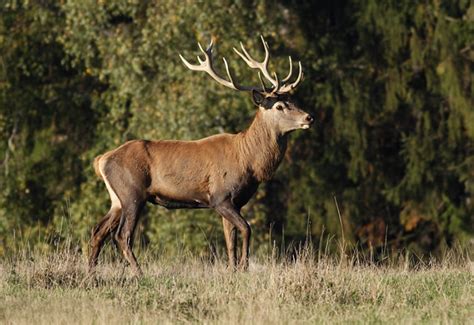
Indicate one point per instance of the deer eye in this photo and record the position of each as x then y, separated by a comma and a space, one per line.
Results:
279, 107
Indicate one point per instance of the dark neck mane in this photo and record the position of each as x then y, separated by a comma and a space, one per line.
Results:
261, 148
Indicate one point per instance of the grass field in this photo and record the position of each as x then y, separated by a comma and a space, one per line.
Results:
52, 289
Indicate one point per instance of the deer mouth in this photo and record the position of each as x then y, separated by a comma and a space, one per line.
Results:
308, 120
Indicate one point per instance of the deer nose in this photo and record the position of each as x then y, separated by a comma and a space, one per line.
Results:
309, 119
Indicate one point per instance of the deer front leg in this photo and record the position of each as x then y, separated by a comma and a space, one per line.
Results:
230, 241
231, 214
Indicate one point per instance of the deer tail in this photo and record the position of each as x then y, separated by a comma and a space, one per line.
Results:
96, 165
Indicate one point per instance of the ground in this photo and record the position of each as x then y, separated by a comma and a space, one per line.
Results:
54, 288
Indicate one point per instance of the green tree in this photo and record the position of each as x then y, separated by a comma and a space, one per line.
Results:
395, 104
46, 119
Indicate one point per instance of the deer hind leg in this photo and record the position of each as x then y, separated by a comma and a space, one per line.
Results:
127, 187
125, 232
105, 227
100, 233
232, 215
230, 234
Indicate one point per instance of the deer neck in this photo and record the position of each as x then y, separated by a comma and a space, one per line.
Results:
261, 148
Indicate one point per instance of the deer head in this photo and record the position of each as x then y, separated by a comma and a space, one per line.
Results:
274, 102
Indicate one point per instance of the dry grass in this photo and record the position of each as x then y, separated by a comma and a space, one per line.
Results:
51, 289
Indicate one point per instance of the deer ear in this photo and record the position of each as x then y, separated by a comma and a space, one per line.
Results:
257, 97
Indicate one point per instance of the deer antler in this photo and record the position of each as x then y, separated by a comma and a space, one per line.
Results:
277, 86
263, 67
287, 88
208, 67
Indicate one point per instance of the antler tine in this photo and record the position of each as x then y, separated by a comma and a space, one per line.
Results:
287, 88
211, 44
201, 65
230, 75
262, 83
277, 86
247, 58
202, 50
267, 52
189, 65
289, 73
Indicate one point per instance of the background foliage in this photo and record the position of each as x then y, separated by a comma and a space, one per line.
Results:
390, 82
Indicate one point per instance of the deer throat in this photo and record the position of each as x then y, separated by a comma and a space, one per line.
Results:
268, 159
261, 150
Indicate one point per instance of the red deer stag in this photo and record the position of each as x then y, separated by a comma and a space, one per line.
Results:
220, 172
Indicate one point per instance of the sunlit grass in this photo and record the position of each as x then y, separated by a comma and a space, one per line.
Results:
308, 288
